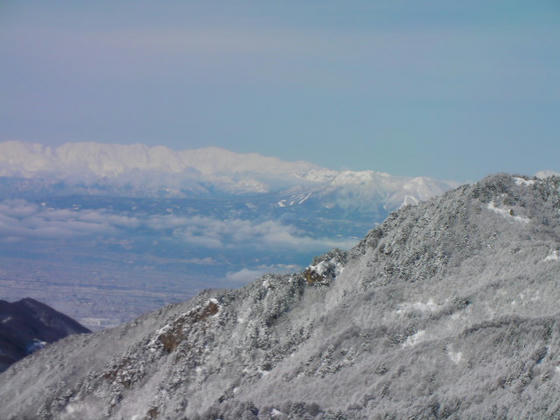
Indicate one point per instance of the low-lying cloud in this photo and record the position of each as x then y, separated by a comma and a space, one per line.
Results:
20, 219
25, 220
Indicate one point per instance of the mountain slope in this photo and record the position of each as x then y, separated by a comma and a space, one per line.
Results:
446, 310
28, 325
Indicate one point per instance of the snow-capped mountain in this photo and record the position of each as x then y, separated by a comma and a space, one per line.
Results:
143, 170
27, 326
448, 309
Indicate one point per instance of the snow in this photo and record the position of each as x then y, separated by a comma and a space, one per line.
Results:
455, 357
429, 306
180, 172
409, 200
166, 328
6, 320
554, 256
546, 173
506, 213
322, 267
304, 199
275, 413
414, 339
523, 181
70, 409
262, 372
241, 171
319, 268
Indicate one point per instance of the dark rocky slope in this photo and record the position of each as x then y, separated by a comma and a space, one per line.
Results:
28, 325
449, 309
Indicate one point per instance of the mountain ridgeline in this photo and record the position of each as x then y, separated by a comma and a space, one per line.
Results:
449, 309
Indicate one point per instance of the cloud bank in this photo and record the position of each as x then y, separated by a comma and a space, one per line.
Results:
23, 220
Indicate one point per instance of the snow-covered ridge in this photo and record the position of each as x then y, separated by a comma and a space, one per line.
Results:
173, 171
110, 160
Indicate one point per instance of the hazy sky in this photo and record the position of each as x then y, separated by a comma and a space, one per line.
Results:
441, 88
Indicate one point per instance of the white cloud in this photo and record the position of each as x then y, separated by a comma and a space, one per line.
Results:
22, 219
214, 233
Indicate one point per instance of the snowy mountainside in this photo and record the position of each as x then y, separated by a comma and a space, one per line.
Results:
446, 310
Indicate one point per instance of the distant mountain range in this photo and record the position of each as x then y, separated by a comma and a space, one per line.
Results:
28, 325
140, 170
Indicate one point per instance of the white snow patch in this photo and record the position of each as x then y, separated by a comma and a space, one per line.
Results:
164, 329
275, 413
266, 284
319, 268
554, 256
304, 199
455, 357
506, 213
154, 343
323, 266
263, 372
522, 181
414, 339
546, 173
70, 409
6, 320
429, 306
558, 369
409, 200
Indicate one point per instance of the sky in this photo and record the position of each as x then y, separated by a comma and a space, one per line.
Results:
453, 90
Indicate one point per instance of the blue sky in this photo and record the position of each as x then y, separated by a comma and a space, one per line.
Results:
447, 89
